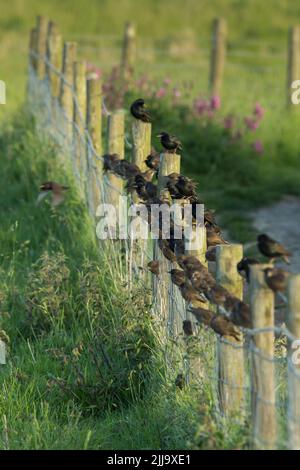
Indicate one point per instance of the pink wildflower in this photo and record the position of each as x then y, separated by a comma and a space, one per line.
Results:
258, 147
215, 102
160, 93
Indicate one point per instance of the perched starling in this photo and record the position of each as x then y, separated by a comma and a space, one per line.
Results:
125, 169
170, 142
190, 294
202, 315
181, 186
239, 312
138, 110
217, 295
276, 279
214, 236
201, 280
224, 327
180, 381
187, 262
243, 267
144, 189
177, 277
272, 249
209, 218
210, 255
153, 266
153, 160
187, 327
57, 191
164, 245
109, 161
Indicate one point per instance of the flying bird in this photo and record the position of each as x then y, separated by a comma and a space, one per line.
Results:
272, 249
170, 142
138, 110
57, 191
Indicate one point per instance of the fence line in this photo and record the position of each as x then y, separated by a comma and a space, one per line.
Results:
244, 374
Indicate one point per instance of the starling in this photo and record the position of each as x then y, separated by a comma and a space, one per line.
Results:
201, 280
243, 267
190, 294
272, 249
153, 266
125, 169
217, 295
138, 110
189, 262
214, 236
56, 190
153, 160
276, 279
144, 189
209, 218
187, 327
202, 315
181, 186
239, 312
224, 327
109, 161
180, 381
170, 142
165, 247
177, 276
210, 255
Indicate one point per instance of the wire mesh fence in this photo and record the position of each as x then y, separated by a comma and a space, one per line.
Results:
249, 370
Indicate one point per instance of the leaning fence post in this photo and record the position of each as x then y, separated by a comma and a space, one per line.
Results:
66, 87
230, 351
42, 27
263, 376
293, 70
293, 324
128, 51
218, 54
54, 56
94, 147
79, 71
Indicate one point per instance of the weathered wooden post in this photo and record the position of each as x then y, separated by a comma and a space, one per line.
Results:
293, 324
128, 51
94, 148
115, 144
169, 163
33, 48
230, 357
79, 71
66, 88
293, 70
218, 55
263, 386
42, 27
54, 56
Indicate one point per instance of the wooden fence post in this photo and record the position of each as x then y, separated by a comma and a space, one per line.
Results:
230, 357
66, 84
263, 377
115, 144
54, 56
79, 71
33, 48
293, 324
293, 71
94, 126
42, 27
218, 55
169, 163
128, 51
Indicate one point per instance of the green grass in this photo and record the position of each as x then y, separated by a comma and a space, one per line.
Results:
84, 370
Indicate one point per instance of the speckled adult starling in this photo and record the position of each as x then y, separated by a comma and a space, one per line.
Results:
55, 189
243, 267
202, 315
153, 266
126, 169
276, 279
181, 186
272, 249
110, 160
224, 327
138, 110
177, 276
187, 327
153, 160
214, 236
170, 142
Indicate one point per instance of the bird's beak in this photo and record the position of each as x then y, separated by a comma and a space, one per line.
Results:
158, 135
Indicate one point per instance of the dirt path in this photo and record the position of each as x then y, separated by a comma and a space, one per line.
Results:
282, 222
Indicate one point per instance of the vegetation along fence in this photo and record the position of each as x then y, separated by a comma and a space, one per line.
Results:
232, 345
